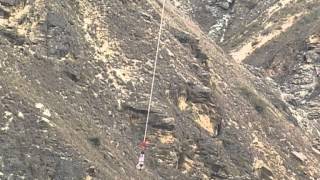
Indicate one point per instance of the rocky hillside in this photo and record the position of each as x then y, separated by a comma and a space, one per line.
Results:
74, 82
278, 41
292, 60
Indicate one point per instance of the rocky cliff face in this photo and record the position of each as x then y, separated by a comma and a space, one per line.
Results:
279, 42
74, 82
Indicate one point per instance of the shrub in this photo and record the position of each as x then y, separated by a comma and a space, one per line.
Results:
95, 141
258, 103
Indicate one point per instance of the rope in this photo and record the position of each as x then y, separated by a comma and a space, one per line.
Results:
154, 70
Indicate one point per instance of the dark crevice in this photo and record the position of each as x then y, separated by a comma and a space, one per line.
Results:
72, 76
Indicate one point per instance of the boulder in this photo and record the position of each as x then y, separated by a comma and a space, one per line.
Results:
312, 57
4, 13
9, 2
262, 170
198, 93
164, 124
265, 173
12, 36
224, 5
142, 108
300, 156
313, 116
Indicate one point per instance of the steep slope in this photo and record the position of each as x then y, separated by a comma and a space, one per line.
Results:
75, 78
278, 40
241, 26
282, 43
293, 62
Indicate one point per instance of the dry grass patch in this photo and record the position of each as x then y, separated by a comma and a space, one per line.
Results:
203, 120
182, 103
258, 103
262, 38
187, 165
166, 138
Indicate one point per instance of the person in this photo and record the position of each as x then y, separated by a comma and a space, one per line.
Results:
143, 146
317, 71
140, 164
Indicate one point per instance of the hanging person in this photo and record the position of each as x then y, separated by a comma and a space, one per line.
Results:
144, 143
140, 164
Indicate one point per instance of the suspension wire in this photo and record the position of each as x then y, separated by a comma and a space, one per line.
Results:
154, 70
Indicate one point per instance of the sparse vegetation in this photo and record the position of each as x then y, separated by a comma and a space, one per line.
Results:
253, 44
266, 32
312, 17
278, 28
95, 141
251, 5
258, 103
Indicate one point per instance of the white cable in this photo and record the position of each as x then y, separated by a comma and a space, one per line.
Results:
154, 71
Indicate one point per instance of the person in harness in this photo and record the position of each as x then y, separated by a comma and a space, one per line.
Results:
317, 69
140, 164
143, 145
